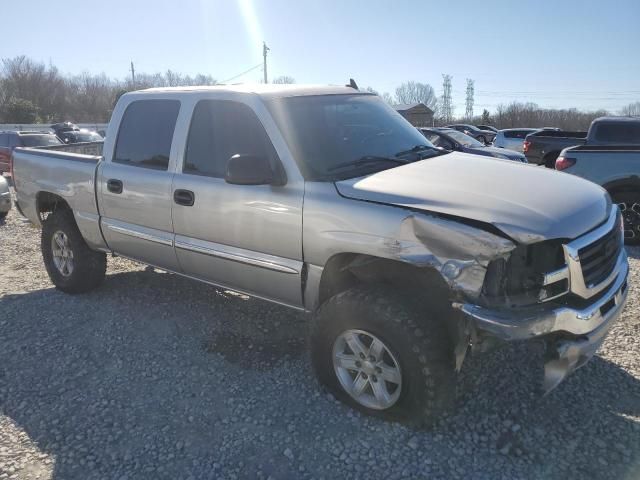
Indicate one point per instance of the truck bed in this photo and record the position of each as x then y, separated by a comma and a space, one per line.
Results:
542, 148
59, 171
604, 164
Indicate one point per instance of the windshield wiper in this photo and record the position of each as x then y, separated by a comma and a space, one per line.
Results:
416, 149
366, 160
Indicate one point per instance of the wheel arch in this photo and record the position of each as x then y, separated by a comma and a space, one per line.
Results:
628, 184
47, 202
346, 270
549, 159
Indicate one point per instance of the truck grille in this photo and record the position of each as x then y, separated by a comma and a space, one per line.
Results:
598, 259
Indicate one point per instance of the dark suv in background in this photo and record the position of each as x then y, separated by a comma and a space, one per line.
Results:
12, 139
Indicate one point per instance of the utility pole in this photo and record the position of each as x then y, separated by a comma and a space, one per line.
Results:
265, 49
133, 75
447, 108
469, 101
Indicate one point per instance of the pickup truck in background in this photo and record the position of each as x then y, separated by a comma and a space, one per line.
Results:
542, 148
617, 170
326, 200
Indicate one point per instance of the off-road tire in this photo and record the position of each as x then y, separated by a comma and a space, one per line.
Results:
420, 342
629, 197
89, 266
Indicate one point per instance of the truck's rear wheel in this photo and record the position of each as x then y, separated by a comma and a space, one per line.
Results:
377, 352
629, 203
72, 266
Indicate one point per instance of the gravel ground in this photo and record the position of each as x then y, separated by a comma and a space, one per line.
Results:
156, 376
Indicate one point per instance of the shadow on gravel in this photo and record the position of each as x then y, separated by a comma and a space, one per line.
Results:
633, 252
117, 384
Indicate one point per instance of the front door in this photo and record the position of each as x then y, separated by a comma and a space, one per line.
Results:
245, 237
135, 185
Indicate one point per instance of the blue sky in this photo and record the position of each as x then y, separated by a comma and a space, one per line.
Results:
556, 53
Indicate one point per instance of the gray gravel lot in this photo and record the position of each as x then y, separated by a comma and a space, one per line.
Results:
156, 376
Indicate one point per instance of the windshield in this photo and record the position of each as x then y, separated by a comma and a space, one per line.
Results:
464, 139
342, 136
39, 140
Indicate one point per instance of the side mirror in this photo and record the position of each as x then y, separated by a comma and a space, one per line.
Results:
245, 169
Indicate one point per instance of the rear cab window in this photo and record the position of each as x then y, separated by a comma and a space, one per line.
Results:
145, 134
517, 133
618, 132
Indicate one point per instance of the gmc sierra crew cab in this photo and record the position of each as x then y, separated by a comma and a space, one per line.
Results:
326, 200
543, 147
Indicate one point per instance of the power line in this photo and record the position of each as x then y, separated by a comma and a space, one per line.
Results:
243, 73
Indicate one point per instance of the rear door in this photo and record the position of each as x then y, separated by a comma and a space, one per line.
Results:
135, 184
245, 237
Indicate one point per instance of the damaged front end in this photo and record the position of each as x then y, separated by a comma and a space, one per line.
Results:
567, 293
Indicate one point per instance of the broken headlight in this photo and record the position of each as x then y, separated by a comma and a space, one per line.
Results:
531, 274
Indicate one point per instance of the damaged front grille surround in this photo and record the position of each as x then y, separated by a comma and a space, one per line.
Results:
548, 270
593, 259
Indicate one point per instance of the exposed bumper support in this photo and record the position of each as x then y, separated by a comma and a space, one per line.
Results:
578, 332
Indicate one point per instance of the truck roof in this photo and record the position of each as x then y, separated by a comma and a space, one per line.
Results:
262, 90
611, 118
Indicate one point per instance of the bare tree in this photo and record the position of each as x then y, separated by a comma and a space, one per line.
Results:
631, 110
416, 92
387, 97
531, 115
283, 79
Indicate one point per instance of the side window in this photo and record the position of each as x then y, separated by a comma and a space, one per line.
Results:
145, 134
4, 140
220, 129
14, 140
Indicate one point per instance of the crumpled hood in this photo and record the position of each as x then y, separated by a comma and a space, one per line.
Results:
528, 203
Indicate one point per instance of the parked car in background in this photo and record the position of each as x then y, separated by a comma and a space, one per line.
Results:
488, 128
5, 198
80, 136
512, 138
543, 147
9, 140
453, 140
617, 169
483, 136
60, 128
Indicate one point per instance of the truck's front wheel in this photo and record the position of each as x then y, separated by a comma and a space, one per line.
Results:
629, 203
72, 266
378, 353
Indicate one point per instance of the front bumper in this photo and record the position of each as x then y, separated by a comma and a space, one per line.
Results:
573, 334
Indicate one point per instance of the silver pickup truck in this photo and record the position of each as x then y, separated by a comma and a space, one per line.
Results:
326, 200
617, 169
